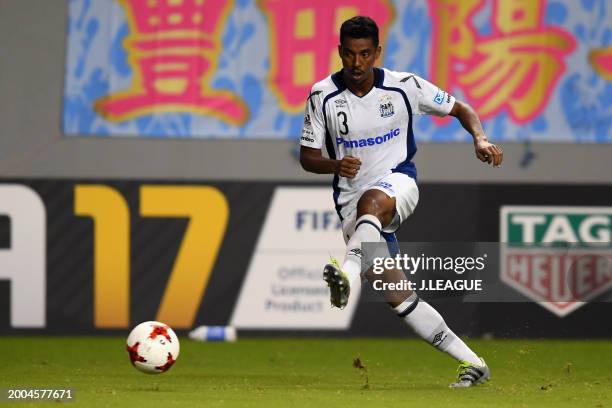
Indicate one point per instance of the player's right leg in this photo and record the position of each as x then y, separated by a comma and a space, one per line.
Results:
374, 209
338, 282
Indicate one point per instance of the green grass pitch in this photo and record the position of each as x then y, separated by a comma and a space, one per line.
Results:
309, 372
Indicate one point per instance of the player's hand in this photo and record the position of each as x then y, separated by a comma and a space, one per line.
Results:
348, 167
489, 153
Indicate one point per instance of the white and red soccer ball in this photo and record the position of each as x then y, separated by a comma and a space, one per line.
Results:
153, 347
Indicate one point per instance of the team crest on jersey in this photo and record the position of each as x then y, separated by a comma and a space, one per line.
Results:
386, 107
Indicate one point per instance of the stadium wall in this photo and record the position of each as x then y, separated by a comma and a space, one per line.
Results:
32, 63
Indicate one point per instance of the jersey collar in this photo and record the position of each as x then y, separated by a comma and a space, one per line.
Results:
379, 78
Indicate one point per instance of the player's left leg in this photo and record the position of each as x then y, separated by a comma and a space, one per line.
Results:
426, 322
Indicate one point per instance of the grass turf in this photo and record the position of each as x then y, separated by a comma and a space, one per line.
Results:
312, 373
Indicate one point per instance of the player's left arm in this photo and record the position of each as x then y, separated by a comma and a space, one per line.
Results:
429, 99
485, 151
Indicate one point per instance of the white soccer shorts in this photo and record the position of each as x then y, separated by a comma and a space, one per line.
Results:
398, 185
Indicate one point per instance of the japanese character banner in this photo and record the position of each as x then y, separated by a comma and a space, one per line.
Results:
534, 70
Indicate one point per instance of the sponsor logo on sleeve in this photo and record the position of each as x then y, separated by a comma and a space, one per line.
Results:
307, 132
307, 136
439, 98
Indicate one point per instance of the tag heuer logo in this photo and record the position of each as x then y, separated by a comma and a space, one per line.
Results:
560, 257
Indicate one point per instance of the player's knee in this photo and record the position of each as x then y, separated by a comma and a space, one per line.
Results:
377, 204
369, 204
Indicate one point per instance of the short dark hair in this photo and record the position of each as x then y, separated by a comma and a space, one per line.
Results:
359, 27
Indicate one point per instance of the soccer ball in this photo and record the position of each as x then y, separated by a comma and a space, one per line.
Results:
153, 347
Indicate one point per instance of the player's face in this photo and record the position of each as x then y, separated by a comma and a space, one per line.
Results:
358, 58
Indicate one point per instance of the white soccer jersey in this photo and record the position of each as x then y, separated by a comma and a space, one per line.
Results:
376, 128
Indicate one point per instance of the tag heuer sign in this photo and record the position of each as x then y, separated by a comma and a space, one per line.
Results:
560, 257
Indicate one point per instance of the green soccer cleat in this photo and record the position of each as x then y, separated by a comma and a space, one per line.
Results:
469, 375
339, 288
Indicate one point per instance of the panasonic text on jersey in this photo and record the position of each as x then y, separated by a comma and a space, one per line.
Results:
367, 141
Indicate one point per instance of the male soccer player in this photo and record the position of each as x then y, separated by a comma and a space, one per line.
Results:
363, 115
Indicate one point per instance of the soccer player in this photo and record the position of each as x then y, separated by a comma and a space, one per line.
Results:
363, 115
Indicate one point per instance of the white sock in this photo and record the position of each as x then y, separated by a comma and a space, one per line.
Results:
367, 229
430, 326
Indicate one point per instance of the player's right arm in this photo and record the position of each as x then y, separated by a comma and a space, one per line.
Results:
311, 143
312, 160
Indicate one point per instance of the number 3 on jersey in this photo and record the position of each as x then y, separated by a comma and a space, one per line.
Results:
344, 130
